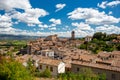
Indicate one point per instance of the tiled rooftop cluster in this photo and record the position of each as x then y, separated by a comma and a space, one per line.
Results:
63, 50
103, 60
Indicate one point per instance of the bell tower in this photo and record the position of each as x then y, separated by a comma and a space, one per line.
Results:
73, 35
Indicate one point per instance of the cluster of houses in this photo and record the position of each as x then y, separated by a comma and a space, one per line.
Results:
116, 41
59, 56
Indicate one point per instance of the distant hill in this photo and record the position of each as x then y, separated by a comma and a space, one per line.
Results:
16, 37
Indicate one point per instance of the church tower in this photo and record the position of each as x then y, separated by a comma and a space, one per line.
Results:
73, 35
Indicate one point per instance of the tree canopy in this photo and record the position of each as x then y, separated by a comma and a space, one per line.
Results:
101, 42
84, 74
13, 70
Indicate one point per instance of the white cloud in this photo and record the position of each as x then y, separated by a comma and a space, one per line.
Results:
5, 18
105, 4
52, 28
102, 5
92, 16
109, 29
83, 29
60, 6
11, 4
5, 23
110, 12
82, 26
113, 3
55, 22
43, 26
30, 16
36, 12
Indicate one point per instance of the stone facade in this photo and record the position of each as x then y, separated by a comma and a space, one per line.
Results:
55, 66
47, 53
110, 75
104, 62
88, 38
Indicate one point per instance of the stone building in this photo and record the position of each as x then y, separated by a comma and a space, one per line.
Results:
88, 38
104, 62
47, 53
55, 66
51, 38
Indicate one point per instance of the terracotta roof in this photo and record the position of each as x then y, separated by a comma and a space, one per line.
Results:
116, 52
86, 57
51, 62
116, 63
95, 65
104, 54
109, 64
47, 50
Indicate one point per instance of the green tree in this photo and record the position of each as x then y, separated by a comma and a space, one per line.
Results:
108, 48
30, 66
102, 76
88, 74
85, 74
46, 73
99, 36
83, 46
118, 47
12, 70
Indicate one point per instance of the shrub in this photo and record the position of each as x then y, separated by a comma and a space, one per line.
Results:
12, 70
46, 73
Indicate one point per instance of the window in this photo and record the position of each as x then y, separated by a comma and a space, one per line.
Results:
78, 69
43, 54
46, 67
67, 69
113, 76
40, 66
51, 69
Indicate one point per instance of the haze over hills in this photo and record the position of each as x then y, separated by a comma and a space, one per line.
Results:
19, 37
16, 37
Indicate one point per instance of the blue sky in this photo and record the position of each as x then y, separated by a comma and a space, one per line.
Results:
47, 17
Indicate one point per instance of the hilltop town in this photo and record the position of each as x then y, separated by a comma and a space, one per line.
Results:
59, 40
61, 55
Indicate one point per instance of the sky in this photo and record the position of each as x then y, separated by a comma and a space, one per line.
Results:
48, 17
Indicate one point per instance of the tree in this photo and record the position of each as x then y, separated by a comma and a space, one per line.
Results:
46, 73
30, 66
108, 48
12, 70
102, 76
88, 74
83, 46
85, 74
99, 36
118, 47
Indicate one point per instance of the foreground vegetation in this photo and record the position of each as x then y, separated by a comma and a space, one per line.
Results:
85, 74
101, 42
13, 70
